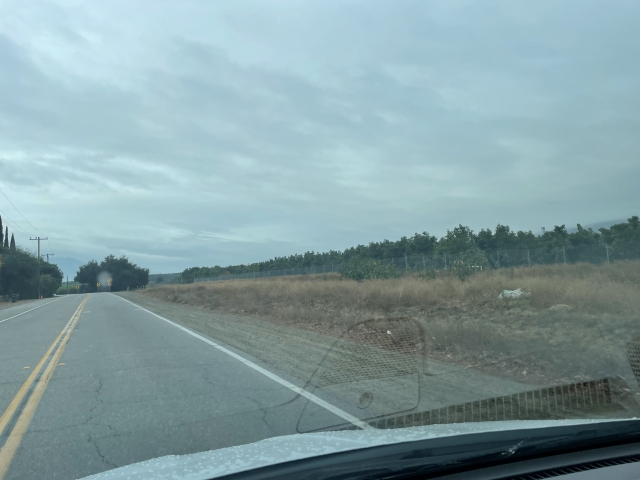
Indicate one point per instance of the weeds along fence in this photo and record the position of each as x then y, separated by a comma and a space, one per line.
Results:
597, 254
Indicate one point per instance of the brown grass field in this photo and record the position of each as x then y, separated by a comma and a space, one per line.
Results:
574, 324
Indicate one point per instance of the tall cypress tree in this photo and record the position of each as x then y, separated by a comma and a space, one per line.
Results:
1, 232
12, 246
6, 237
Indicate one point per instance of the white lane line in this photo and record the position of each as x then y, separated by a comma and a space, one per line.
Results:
300, 391
27, 311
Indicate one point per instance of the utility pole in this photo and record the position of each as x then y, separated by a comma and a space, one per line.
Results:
47, 255
38, 239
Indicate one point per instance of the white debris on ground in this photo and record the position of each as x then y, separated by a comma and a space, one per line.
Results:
519, 293
560, 306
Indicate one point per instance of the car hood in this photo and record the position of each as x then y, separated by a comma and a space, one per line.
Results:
226, 461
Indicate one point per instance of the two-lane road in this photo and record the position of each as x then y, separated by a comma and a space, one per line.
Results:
26, 332
109, 383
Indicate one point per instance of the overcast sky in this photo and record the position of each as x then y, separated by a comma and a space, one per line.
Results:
184, 133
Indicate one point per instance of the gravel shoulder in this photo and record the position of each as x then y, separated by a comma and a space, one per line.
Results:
4, 305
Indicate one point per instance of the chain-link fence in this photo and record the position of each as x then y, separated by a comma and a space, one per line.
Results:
525, 257
276, 273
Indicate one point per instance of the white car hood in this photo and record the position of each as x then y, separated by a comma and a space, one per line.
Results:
225, 461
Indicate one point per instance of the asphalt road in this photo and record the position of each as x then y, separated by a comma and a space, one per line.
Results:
109, 384
93, 382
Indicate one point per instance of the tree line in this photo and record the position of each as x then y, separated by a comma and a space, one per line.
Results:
496, 248
23, 273
124, 275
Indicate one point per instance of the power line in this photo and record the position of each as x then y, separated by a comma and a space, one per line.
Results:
49, 245
15, 224
5, 196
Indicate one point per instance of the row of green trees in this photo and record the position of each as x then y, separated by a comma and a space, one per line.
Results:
124, 275
22, 273
4, 239
496, 248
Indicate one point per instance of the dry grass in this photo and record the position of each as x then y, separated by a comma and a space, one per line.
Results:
329, 299
463, 322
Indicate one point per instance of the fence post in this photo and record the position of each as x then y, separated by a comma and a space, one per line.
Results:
445, 261
607, 249
528, 258
564, 255
424, 265
406, 265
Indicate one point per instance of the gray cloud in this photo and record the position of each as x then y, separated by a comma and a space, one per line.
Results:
198, 133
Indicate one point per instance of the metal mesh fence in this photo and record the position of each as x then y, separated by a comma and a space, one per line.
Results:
367, 352
558, 402
633, 353
375, 365
276, 273
573, 400
548, 255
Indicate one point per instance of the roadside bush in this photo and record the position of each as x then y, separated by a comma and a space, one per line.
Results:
469, 262
428, 274
365, 269
48, 285
18, 273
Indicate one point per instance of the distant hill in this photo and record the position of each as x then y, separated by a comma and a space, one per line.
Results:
69, 266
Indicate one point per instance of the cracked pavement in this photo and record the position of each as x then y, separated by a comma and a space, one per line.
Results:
133, 388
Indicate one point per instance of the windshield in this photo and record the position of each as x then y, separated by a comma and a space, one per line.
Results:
225, 222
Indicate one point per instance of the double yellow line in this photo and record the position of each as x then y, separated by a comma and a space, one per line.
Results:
18, 415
